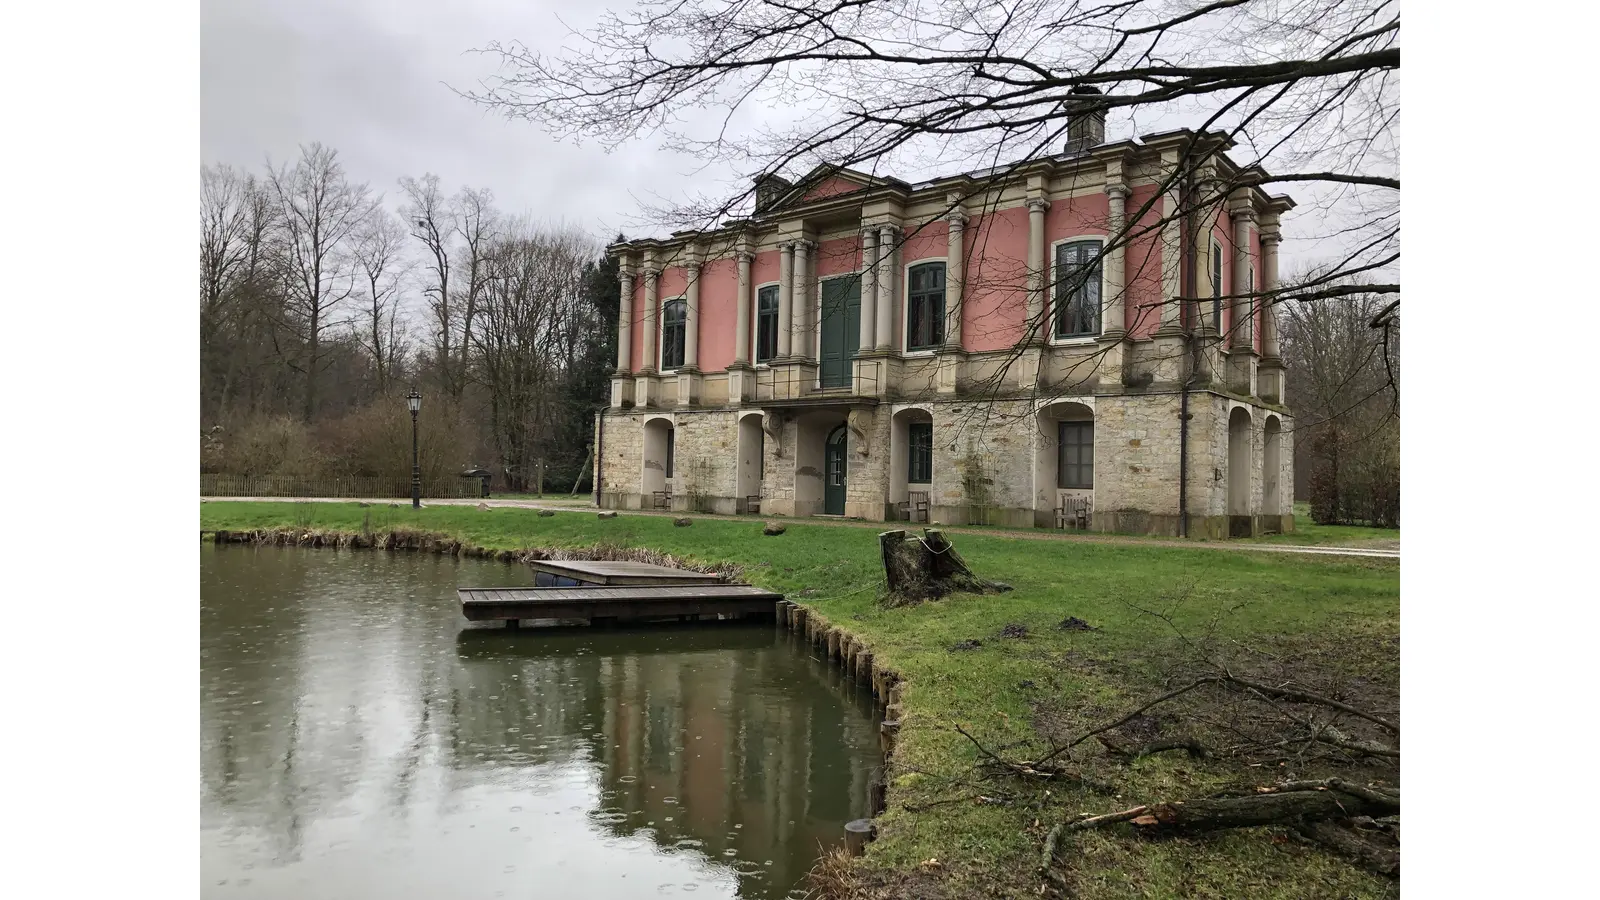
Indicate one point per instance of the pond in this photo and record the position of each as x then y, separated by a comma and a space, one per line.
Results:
359, 739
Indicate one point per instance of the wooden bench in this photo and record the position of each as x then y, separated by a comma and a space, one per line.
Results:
662, 499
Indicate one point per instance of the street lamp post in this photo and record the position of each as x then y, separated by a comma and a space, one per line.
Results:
414, 402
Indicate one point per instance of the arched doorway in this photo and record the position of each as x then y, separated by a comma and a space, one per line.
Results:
752, 463
835, 464
655, 479
1239, 472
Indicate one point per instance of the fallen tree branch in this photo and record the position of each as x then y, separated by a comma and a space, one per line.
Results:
1284, 693
1107, 819
1209, 679
1346, 842
1193, 747
1314, 802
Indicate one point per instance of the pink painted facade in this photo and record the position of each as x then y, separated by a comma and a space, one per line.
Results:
996, 298
719, 310
995, 248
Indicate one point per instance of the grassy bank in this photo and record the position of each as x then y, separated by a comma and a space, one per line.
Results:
1335, 619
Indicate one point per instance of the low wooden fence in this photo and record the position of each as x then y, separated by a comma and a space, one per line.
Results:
213, 485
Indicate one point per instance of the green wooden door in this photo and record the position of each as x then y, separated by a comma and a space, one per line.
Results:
841, 328
833, 472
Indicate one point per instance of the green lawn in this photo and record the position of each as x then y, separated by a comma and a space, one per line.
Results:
1340, 613
1308, 533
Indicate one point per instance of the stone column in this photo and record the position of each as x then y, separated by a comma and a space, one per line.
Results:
741, 376
650, 320
888, 235
785, 298
1114, 317
625, 323
801, 300
1270, 238
1243, 337
644, 384
691, 325
1270, 372
1037, 267
955, 277
621, 389
741, 340
869, 288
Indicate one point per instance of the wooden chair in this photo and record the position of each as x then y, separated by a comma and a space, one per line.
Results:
915, 507
1074, 511
752, 505
663, 499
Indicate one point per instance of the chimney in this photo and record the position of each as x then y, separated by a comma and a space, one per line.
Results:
769, 188
1085, 127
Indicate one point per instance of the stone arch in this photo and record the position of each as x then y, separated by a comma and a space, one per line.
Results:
656, 462
900, 484
1239, 428
1049, 484
751, 457
1272, 468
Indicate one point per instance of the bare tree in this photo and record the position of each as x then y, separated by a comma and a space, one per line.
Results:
533, 305
380, 254
1306, 89
456, 232
1346, 359
320, 211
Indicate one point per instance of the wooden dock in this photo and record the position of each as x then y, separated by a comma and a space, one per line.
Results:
618, 603
578, 572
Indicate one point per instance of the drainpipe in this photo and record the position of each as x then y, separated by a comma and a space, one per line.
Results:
599, 451
1186, 290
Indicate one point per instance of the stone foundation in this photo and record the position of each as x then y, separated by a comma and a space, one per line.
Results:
993, 461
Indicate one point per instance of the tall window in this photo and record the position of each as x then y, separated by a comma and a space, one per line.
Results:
674, 316
767, 323
1076, 469
1077, 289
925, 306
1216, 285
920, 470
671, 449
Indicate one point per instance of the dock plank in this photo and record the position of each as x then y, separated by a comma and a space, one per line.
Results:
620, 602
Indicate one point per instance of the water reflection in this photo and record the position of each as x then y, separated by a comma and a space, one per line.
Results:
356, 741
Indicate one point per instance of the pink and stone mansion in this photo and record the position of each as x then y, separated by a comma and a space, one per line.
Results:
1048, 344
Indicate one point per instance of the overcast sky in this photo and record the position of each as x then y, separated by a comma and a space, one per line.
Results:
373, 79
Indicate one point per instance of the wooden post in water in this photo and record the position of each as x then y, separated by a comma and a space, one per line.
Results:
856, 836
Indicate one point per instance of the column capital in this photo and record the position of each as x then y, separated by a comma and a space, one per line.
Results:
956, 217
691, 267
869, 232
625, 276
1270, 234
1117, 189
888, 229
786, 246
651, 272
1038, 204
805, 244
1242, 214
744, 256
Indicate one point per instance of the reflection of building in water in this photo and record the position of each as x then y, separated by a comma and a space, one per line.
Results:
754, 753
